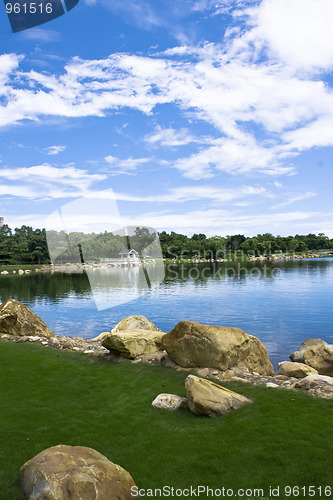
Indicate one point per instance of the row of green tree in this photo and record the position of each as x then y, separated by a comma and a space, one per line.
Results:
176, 245
26, 245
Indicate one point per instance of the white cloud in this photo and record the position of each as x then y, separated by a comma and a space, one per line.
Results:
183, 194
221, 222
233, 157
54, 150
211, 222
41, 35
169, 137
263, 111
294, 199
125, 166
298, 32
46, 181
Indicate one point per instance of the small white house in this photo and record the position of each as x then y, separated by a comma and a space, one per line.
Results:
129, 255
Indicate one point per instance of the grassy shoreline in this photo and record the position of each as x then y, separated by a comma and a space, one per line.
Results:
54, 397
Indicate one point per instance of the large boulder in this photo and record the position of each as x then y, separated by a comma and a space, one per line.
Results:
317, 354
74, 473
191, 344
133, 343
18, 319
135, 323
207, 398
297, 370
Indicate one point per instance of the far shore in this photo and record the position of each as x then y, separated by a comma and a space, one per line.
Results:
124, 263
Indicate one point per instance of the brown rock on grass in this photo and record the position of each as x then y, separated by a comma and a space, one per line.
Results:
17, 319
191, 344
207, 398
74, 473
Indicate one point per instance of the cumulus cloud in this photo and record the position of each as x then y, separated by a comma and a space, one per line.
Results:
233, 157
298, 32
263, 111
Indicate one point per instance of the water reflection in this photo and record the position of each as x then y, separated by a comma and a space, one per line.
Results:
109, 285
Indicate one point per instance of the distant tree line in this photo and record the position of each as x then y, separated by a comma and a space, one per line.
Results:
176, 245
26, 245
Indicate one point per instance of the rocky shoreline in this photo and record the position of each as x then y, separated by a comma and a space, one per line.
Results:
220, 353
93, 347
80, 268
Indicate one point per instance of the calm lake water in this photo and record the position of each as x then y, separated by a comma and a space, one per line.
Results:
282, 303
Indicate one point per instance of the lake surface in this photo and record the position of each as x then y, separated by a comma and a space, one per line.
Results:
282, 303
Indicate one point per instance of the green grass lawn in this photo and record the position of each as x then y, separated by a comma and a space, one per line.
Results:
51, 397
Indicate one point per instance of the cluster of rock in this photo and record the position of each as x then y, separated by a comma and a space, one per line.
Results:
189, 345
24, 271
293, 256
224, 353
203, 397
74, 473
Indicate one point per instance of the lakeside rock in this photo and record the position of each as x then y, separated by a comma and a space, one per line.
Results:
135, 322
298, 356
132, 337
314, 381
207, 398
317, 354
297, 370
74, 473
192, 344
133, 343
18, 319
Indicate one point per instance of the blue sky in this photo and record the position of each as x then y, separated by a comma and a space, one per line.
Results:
200, 116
